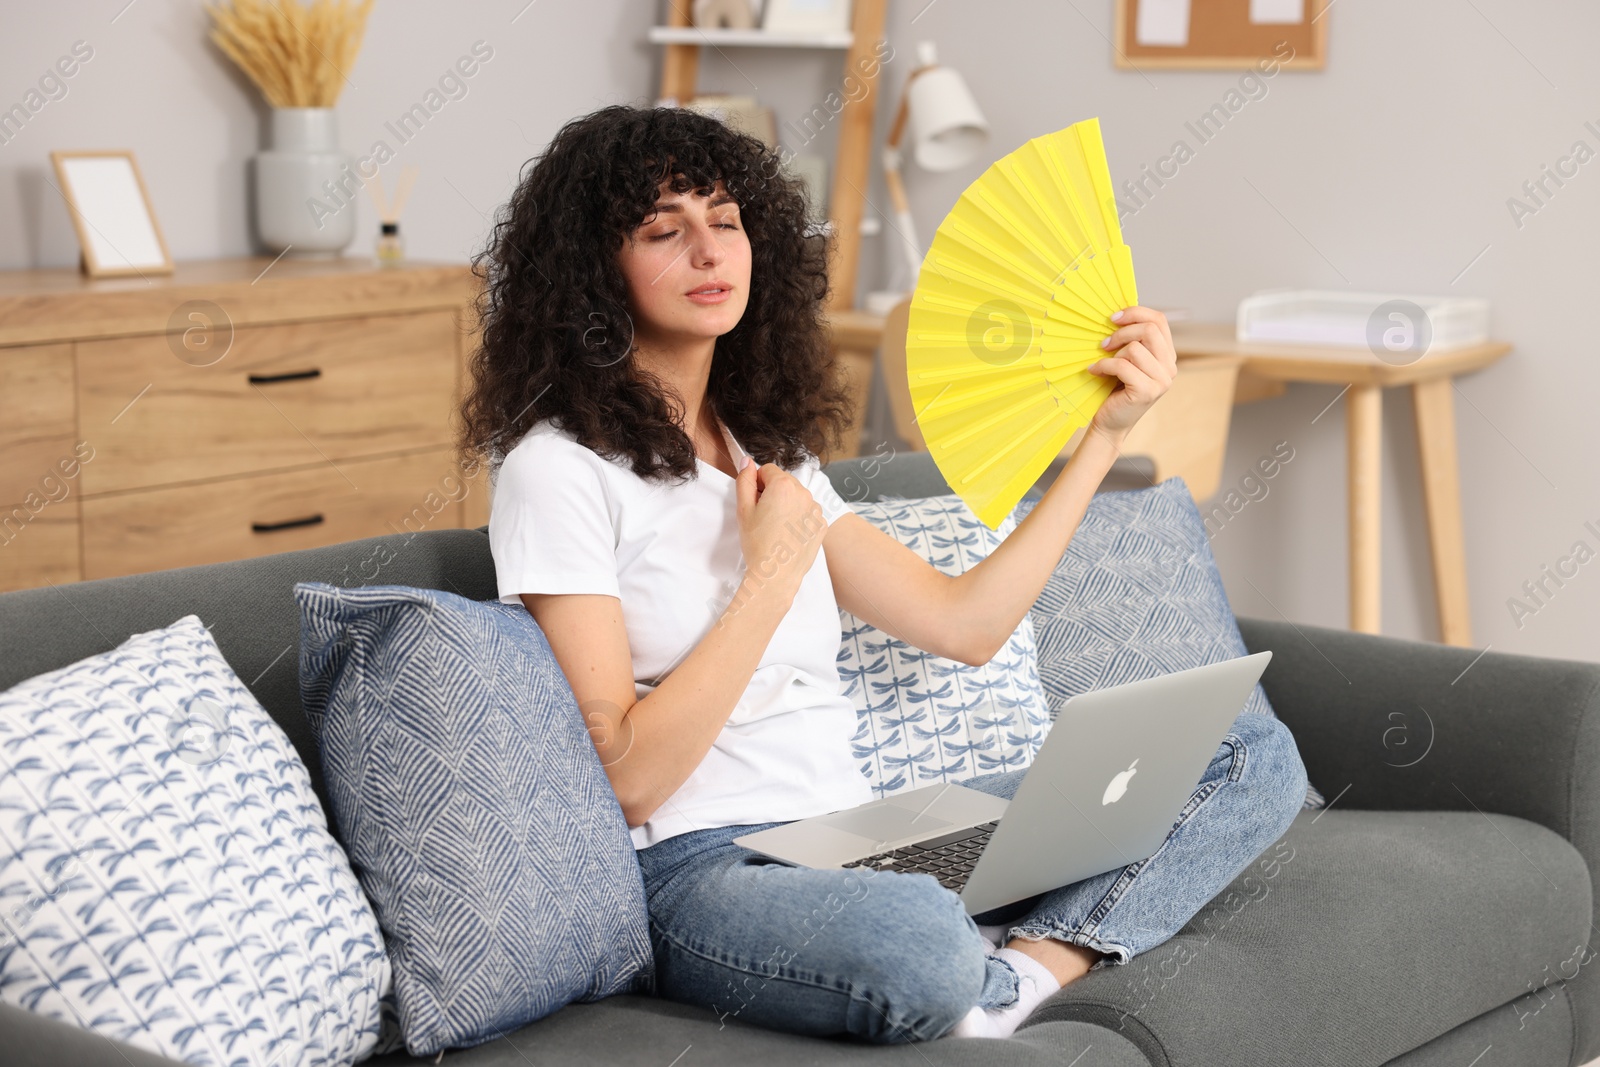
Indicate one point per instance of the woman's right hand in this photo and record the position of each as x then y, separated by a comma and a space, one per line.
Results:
781, 525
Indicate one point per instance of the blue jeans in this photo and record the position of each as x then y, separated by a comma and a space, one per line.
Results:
890, 957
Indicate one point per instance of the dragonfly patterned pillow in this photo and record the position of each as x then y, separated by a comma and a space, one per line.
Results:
923, 718
167, 877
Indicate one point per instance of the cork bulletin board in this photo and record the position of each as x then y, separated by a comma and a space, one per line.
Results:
1220, 34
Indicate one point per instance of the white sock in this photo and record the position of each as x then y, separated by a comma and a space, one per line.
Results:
1034, 984
994, 935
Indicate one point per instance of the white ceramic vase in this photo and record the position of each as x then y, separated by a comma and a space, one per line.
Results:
301, 205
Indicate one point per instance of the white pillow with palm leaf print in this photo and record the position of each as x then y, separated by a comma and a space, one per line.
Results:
167, 874
923, 718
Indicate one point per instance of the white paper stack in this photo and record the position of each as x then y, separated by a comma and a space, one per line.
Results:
1331, 317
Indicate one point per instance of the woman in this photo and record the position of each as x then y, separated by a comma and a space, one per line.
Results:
653, 313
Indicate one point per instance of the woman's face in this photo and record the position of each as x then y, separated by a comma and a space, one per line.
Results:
691, 242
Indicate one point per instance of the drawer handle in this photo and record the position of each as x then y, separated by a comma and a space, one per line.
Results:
263, 379
268, 527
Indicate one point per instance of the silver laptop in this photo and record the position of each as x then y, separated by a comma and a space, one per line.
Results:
1103, 791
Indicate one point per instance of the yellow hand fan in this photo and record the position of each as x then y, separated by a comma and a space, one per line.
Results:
1013, 299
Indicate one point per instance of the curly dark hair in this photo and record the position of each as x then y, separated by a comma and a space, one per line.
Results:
556, 336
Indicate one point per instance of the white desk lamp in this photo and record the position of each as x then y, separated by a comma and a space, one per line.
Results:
947, 131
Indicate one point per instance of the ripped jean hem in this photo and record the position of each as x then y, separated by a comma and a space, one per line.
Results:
1110, 951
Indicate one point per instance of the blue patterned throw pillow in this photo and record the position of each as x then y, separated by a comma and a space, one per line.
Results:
923, 718
167, 877
474, 808
1136, 594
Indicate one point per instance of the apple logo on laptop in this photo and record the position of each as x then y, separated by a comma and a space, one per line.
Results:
1119, 785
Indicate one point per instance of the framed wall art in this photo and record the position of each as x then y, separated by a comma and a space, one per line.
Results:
1220, 34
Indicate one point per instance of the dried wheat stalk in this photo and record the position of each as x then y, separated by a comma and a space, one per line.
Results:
298, 55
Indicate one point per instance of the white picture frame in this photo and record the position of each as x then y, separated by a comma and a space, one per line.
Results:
806, 16
111, 212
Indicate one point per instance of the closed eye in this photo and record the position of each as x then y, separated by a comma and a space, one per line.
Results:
674, 233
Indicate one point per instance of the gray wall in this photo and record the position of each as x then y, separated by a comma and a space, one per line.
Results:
1391, 170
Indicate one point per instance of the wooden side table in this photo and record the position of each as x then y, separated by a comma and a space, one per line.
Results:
1269, 367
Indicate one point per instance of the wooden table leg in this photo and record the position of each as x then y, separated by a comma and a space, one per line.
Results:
1364, 437
1441, 490
1186, 434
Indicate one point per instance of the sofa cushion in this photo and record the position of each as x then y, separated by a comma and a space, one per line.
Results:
475, 809
1136, 594
1358, 936
923, 718
167, 872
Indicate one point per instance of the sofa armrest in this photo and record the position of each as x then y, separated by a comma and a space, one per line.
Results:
1385, 723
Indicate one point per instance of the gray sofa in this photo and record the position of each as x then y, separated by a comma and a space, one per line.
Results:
1440, 908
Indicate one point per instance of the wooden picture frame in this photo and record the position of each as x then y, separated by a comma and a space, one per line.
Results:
112, 213
1221, 36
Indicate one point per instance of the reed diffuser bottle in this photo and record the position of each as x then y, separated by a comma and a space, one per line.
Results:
390, 250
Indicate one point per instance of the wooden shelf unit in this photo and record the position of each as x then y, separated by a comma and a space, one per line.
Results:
695, 35
856, 333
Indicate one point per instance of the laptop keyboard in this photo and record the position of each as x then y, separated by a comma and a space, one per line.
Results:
949, 857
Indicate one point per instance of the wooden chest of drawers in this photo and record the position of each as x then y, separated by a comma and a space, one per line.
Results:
233, 409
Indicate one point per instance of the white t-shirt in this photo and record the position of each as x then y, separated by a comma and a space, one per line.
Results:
565, 520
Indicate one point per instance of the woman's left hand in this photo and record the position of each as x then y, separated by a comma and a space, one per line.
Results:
1146, 364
